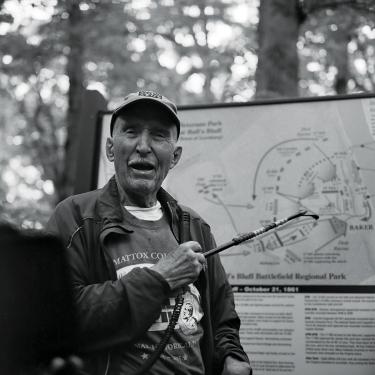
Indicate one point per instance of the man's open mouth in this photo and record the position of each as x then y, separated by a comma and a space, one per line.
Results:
142, 165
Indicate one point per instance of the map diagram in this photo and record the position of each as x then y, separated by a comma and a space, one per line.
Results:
324, 168
247, 166
330, 186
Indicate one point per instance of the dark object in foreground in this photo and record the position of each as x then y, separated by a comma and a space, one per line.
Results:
37, 320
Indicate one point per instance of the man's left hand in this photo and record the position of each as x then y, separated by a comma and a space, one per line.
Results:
233, 366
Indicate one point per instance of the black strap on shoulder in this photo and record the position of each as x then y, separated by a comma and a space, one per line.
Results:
184, 217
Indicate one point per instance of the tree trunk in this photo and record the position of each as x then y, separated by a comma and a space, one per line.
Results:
342, 62
74, 71
277, 70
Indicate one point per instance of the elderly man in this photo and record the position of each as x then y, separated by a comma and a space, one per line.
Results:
133, 249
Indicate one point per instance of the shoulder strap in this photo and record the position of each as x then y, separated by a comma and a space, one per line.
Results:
184, 217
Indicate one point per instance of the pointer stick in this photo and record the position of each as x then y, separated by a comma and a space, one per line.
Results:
248, 236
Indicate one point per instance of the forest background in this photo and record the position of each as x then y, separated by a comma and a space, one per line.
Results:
194, 51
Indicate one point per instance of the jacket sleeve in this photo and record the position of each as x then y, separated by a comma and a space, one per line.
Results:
109, 312
225, 321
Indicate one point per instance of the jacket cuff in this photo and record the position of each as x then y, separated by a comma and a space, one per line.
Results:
235, 353
241, 356
160, 278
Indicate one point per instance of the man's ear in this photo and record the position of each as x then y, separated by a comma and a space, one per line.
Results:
109, 149
176, 156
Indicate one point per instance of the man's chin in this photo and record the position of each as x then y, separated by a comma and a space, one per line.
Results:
144, 187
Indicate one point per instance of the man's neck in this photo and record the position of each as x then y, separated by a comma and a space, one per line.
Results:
138, 200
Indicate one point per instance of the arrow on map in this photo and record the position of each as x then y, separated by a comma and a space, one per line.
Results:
333, 229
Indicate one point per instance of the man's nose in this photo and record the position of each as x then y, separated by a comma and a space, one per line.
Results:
144, 143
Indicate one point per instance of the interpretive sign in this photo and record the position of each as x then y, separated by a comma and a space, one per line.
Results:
305, 291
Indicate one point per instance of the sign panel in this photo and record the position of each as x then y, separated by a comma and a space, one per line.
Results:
305, 291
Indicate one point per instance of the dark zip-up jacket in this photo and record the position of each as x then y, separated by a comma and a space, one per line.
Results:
86, 223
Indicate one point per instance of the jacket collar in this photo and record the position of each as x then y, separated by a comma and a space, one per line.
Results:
110, 209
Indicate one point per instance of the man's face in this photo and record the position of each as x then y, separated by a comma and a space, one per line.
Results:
143, 149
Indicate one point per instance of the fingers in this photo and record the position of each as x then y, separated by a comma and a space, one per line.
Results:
193, 245
201, 258
204, 264
198, 256
183, 265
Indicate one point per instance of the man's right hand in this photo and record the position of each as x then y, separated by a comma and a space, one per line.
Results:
181, 266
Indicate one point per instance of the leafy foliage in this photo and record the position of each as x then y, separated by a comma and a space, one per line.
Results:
193, 51
336, 49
